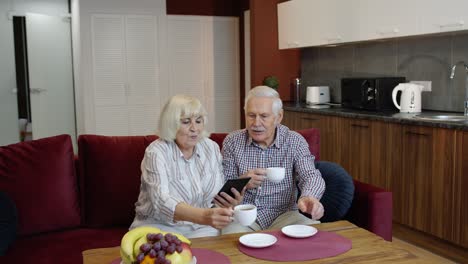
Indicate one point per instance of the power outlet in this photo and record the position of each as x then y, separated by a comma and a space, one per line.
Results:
427, 85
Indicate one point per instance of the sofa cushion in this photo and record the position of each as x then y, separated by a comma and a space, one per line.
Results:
339, 191
8, 222
110, 178
39, 176
63, 246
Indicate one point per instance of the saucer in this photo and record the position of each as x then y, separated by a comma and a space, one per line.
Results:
299, 231
257, 240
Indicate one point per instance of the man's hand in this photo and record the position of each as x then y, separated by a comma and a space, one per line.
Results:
312, 206
257, 177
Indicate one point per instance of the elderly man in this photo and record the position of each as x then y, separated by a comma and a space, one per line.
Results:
266, 143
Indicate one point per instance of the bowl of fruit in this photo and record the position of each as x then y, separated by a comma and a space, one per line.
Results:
150, 245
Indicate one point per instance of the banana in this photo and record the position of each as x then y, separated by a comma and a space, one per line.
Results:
129, 239
179, 236
138, 243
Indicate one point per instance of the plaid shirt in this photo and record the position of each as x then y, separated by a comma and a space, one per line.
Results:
289, 150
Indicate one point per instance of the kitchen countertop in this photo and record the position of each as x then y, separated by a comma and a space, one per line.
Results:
394, 117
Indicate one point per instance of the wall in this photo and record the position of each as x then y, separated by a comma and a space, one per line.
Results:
9, 132
266, 58
427, 58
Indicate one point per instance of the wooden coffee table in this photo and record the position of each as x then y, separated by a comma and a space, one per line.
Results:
367, 248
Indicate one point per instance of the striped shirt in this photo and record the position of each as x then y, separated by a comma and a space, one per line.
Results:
168, 179
289, 150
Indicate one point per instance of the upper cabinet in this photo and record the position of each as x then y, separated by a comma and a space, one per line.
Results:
377, 19
443, 16
298, 18
305, 23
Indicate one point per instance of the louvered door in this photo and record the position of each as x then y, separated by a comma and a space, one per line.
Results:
125, 74
204, 62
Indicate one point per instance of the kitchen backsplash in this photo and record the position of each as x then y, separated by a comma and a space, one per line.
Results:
425, 58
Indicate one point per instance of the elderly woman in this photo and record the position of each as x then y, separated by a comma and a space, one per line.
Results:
182, 174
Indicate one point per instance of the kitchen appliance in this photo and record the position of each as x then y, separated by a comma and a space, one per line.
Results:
296, 85
410, 100
318, 95
370, 93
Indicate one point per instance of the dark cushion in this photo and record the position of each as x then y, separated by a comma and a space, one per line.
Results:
339, 191
39, 176
8, 222
110, 178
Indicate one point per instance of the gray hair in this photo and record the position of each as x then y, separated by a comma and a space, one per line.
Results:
265, 91
177, 108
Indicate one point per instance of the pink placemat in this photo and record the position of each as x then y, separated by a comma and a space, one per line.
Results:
204, 256
321, 245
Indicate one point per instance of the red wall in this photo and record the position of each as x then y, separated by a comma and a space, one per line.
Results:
266, 58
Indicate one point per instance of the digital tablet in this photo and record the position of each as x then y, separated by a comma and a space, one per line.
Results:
236, 183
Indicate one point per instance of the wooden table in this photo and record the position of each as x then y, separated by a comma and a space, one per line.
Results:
367, 248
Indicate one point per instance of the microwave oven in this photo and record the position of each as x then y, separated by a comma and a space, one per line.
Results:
373, 93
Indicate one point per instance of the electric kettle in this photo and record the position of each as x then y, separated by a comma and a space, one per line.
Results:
410, 100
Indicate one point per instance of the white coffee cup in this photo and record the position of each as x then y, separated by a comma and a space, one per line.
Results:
245, 214
275, 174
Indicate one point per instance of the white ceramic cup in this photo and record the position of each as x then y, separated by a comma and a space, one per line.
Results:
275, 174
245, 214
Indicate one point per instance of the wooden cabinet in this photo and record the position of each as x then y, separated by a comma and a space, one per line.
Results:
461, 189
365, 154
426, 168
424, 189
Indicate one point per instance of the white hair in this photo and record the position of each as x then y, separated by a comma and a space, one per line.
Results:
179, 107
265, 91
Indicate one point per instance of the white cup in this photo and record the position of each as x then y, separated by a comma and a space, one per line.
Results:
245, 214
275, 174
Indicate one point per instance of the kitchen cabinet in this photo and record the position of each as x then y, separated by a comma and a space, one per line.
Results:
424, 189
204, 62
461, 187
443, 16
377, 19
426, 168
363, 147
303, 23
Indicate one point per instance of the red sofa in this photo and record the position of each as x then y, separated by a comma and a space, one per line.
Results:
68, 204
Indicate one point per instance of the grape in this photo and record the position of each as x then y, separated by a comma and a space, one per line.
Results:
150, 237
160, 259
140, 257
167, 261
164, 244
157, 246
152, 253
177, 241
170, 249
145, 248
161, 254
179, 248
158, 237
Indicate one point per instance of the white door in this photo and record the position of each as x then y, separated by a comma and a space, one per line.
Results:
50, 75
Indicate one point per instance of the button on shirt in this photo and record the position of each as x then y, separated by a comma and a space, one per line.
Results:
289, 150
168, 179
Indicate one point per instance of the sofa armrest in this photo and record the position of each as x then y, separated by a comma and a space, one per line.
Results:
372, 209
